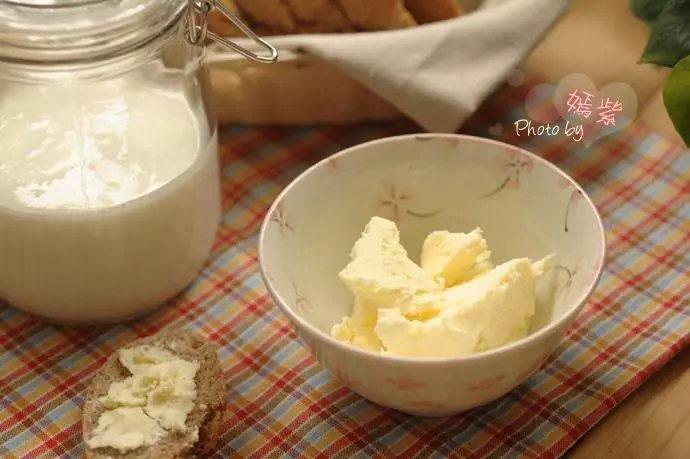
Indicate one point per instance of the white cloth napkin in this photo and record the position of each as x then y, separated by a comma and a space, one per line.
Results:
440, 73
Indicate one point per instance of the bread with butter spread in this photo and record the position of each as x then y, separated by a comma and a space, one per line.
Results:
202, 422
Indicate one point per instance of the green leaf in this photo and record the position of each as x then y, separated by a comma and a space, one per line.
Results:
669, 41
647, 10
677, 98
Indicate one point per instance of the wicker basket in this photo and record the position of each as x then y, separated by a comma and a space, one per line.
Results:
292, 90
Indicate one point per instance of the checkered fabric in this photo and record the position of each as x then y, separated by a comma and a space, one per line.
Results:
281, 403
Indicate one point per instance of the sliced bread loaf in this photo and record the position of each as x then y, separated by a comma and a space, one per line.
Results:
284, 17
273, 14
377, 15
202, 423
221, 25
425, 11
320, 14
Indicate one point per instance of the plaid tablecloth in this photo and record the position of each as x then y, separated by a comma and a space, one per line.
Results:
282, 404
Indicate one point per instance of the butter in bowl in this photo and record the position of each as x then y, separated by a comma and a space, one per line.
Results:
455, 304
432, 273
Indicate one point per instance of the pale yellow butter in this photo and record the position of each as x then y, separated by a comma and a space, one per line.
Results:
125, 429
451, 333
358, 330
348, 331
380, 274
132, 391
173, 399
139, 359
364, 315
484, 307
455, 257
154, 401
488, 311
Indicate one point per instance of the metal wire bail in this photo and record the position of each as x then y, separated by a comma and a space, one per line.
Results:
197, 30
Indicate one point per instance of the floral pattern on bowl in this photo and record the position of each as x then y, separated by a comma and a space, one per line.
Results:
397, 203
513, 166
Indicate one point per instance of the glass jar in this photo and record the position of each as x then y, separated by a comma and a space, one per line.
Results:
109, 174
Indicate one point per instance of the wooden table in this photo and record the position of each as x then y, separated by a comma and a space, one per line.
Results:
654, 422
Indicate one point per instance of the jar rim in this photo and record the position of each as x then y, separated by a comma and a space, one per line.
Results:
52, 31
54, 3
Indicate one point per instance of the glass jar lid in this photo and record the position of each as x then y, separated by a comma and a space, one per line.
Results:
55, 31
71, 30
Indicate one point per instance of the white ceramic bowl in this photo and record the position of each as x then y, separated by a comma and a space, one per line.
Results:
525, 205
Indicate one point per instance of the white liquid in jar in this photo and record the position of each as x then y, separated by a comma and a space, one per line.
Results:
109, 197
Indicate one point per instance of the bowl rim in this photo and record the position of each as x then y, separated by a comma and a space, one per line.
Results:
566, 318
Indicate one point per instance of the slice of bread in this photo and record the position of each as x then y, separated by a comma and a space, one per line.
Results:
298, 16
319, 15
285, 17
425, 11
221, 25
209, 405
273, 14
378, 14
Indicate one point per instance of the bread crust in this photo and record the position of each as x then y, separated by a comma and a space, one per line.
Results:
377, 15
425, 11
285, 17
324, 14
221, 25
274, 14
209, 408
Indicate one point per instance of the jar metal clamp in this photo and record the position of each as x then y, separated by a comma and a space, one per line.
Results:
197, 30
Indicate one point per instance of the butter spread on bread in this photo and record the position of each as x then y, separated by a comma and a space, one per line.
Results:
159, 397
